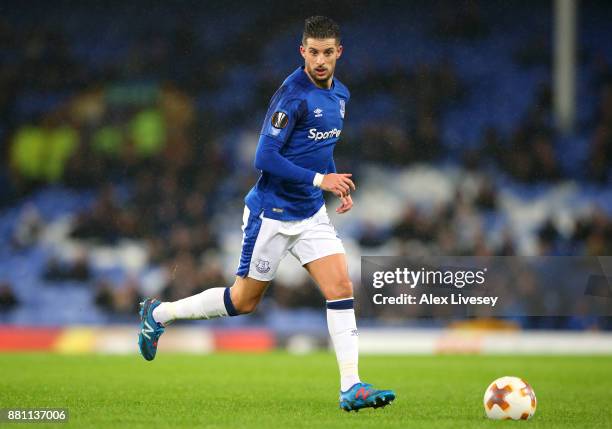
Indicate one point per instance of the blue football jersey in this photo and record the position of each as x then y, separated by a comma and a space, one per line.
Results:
307, 122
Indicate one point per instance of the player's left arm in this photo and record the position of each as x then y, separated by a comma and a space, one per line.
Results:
331, 167
346, 202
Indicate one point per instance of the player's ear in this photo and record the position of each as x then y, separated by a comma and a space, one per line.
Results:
303, 51
339, 51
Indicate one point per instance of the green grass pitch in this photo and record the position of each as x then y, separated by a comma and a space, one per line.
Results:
279, 390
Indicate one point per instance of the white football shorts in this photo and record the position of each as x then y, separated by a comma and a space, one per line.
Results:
265, 242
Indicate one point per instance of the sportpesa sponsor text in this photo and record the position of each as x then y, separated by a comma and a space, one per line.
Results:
321, 135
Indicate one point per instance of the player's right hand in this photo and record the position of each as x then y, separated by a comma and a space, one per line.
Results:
338, 183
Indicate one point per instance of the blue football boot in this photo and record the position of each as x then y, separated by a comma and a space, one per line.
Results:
363, 395
150, 330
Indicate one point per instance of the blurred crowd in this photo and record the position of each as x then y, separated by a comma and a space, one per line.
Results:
421, 94
601, 147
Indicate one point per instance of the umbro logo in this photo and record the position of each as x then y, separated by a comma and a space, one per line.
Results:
318, 112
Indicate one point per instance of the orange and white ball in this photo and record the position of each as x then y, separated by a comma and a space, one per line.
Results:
509, 398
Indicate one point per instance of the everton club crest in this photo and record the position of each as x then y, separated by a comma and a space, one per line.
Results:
342, 106
262, 266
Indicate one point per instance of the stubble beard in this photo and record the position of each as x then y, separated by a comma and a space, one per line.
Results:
323, 81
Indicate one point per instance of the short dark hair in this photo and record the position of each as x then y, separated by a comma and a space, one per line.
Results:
320, 27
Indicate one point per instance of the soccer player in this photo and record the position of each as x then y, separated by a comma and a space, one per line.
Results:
285, 212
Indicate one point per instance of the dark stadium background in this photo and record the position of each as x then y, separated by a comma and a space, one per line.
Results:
127, 133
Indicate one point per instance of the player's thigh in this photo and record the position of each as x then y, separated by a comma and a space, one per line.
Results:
320, 251
263, 247
331, 275
246, 293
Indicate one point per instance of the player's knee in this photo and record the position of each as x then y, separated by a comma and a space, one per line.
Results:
246, 294
342, 289
244, 305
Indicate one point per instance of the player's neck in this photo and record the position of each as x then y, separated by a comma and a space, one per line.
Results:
326, 85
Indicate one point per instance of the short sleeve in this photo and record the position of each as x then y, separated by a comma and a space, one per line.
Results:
282, 115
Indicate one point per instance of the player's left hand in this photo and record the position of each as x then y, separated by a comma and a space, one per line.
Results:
347, 204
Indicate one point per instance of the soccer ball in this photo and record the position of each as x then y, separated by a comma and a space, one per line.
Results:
509, 398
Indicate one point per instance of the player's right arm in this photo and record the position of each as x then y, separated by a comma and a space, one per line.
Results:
283, 113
